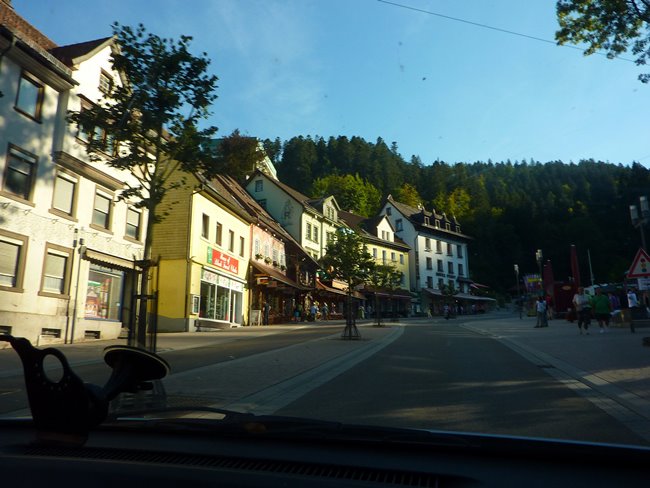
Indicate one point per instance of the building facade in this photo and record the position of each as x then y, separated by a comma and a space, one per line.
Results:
68, 247
438, 258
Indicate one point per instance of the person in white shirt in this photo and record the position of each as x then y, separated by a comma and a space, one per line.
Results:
583, 309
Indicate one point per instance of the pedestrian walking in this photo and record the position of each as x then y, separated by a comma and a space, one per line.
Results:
266, 308
583, 309
446, 311
602, 309
542, 319
324, 311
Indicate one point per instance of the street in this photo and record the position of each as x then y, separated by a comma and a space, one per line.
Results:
489, 374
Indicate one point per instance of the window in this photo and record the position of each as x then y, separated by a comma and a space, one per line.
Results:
231, 241
383, 256
427, 244
133, 224
105, 82
439, 247
19, 173
429, 281
330, 236
401, 259
13, 252
450, 249
450, 268
262, 203
316, 234
242, 244
308, 231
398, 225
440, 268
437, 224
30, 97
460, 269
393, 257
56, 271
426, 221
102, 211
257, 247
441, 283
205, 226
389, 211
374, 252
218, 237
275, 256
64, 194
459, 251
259, 185
429, 263
447, 226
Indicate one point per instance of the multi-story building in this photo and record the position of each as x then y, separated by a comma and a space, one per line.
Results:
311, 222
438, 258
386, 249
67, 245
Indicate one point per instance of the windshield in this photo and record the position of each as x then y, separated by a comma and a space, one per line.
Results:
419, 214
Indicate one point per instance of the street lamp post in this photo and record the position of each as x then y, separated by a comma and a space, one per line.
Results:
639, 221
539, 257
519, 300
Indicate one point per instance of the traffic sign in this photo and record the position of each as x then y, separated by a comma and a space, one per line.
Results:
640, 266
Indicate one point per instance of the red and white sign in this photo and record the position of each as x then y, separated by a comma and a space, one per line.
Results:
223, 261
640, 266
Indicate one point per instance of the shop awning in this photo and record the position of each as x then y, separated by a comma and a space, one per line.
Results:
459, 296
274, 274
323, 287
397, 294
108, 260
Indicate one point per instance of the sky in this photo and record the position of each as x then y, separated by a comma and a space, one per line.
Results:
441, 89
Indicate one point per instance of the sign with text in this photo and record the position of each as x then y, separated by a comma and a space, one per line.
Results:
223, 261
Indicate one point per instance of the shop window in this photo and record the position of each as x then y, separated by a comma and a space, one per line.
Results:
20, 173
214, 303
104, 293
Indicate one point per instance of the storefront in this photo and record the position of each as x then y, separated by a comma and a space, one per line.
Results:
221, 299
104, 293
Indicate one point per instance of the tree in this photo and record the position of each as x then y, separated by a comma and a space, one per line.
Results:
153, 122
408, 195
348, 260
237, 155
609, 25
352, 193
384, 277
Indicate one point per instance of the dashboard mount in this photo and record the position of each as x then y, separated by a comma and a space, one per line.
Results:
65, 409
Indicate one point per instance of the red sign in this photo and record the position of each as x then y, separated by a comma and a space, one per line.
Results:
223, 261
640, 266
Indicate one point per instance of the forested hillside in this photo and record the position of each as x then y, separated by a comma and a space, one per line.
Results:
510, 208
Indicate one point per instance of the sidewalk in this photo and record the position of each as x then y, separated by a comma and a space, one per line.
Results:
611, 369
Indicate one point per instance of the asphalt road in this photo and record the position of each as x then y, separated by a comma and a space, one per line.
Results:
447, 377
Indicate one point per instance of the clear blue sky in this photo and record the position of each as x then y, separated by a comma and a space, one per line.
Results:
441, 89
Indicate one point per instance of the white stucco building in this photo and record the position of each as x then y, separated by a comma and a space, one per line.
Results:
67, 245
438, 253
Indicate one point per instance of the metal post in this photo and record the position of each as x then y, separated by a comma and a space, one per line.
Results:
519, 300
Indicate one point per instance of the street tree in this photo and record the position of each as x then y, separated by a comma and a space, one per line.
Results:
384, 277
612, 26
153, 122
347, 259
237, 155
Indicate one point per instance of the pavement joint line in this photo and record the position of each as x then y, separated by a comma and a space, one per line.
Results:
626, 407
273, 398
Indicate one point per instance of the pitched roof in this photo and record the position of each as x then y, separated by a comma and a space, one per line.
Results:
366, 228
26, 31
74, 53
417, 217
